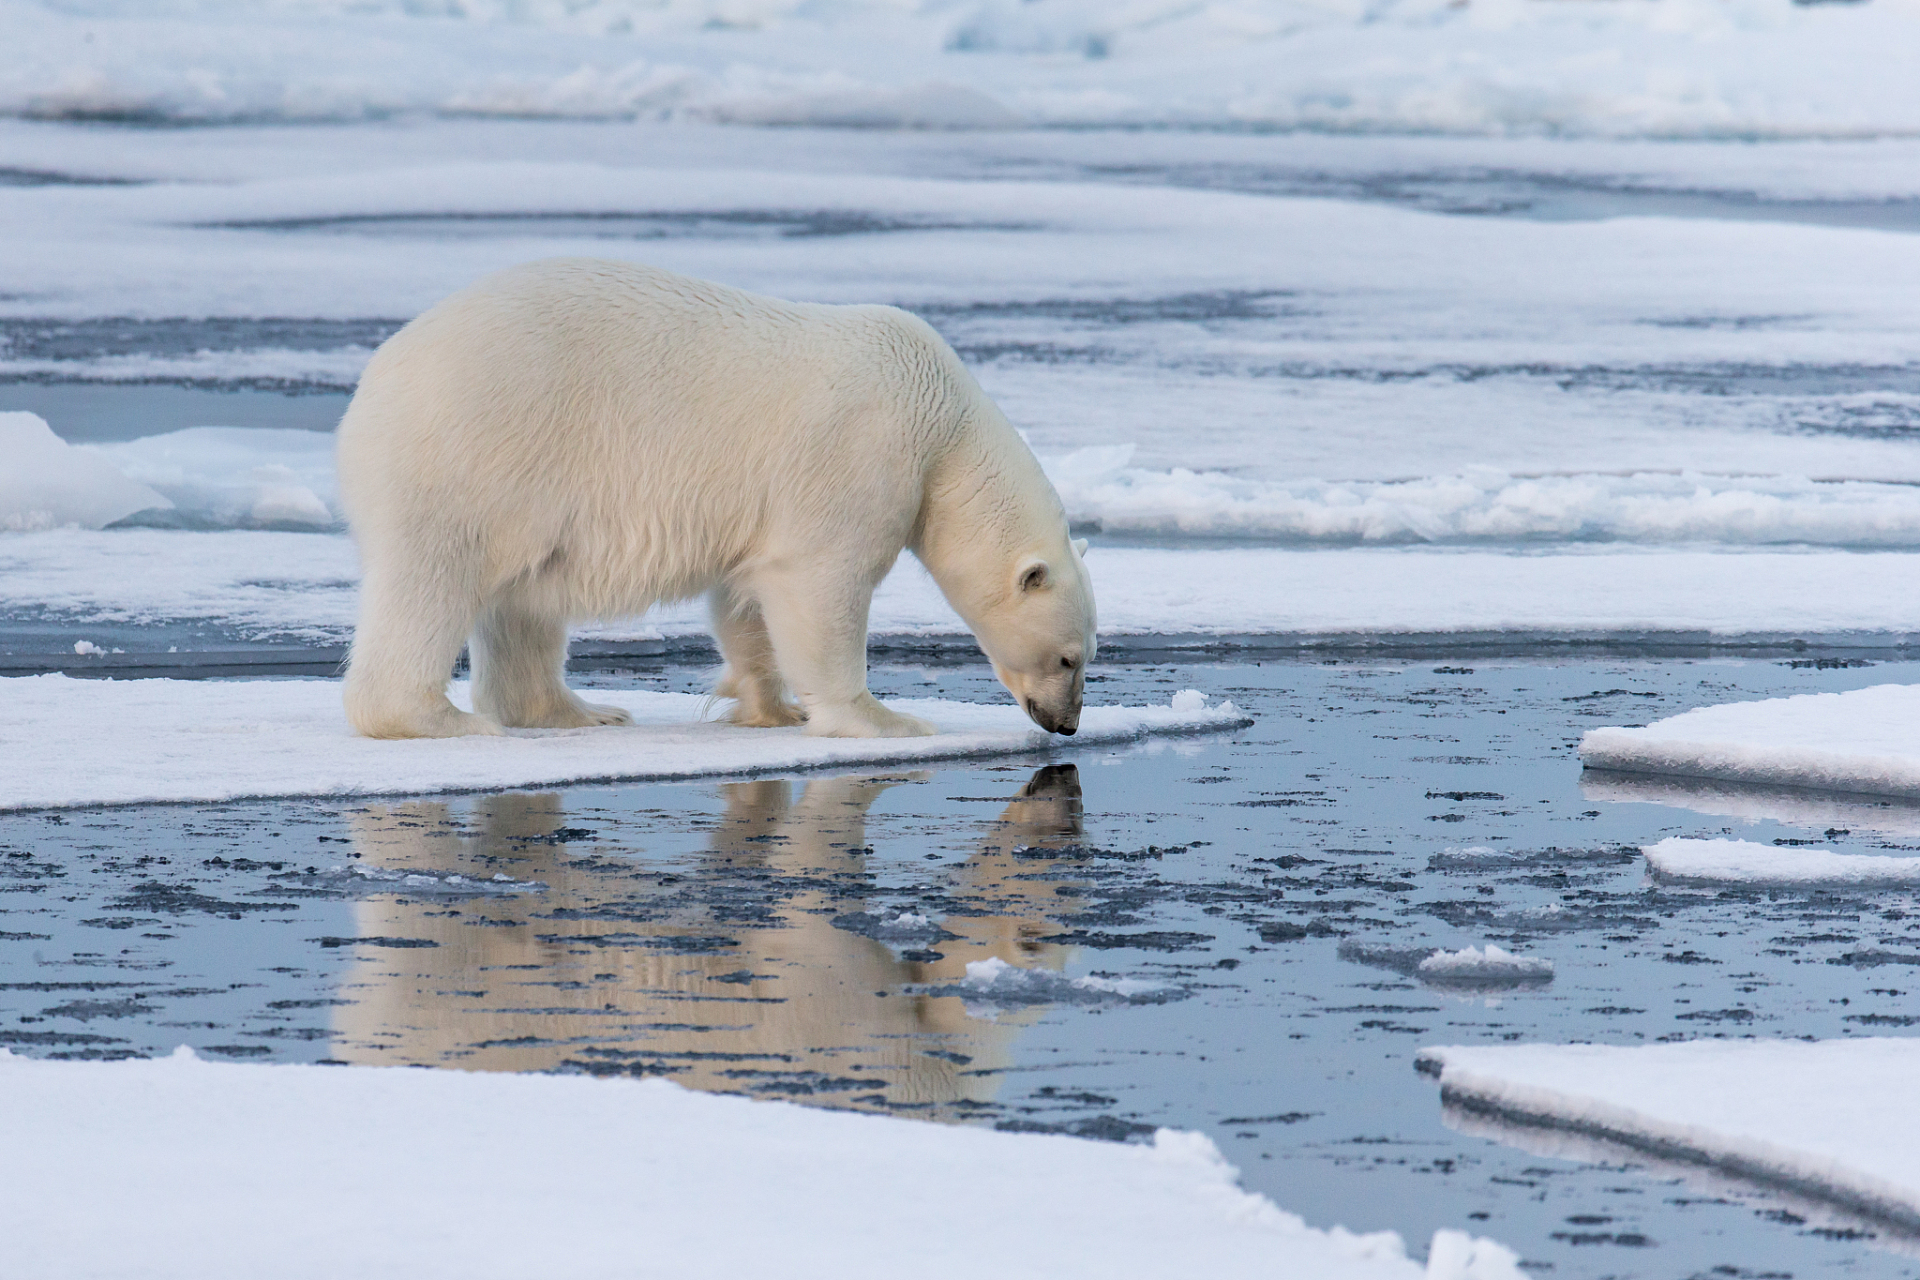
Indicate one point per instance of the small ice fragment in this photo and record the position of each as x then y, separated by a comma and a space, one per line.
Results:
1189, 700
1489, 964
87, 648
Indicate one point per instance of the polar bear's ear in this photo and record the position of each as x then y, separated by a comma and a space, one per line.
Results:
1080, 547
1033, 575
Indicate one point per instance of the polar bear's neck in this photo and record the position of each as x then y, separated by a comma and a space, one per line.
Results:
988, 507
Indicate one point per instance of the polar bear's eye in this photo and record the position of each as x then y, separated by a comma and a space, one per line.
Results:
1067, 663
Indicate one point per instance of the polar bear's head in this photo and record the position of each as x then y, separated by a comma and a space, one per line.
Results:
1038, 633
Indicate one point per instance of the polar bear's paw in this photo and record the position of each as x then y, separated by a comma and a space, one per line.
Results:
571, 714
766, 715
866, 718
438, 722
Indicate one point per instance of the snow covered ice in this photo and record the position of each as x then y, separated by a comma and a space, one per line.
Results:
175, 740
1864, 740
1497, 325
208, 1170
1745, 862
1827, 1120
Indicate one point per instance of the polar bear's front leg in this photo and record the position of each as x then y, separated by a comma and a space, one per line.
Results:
519, 671
752, 675
818, 625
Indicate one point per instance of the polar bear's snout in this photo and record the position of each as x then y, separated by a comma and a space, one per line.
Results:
1052, 721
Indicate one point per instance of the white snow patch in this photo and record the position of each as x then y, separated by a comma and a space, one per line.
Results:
1865, 740
1830, 1119
1490, 964
1745, 862
49, 484
214, 1171
219, 740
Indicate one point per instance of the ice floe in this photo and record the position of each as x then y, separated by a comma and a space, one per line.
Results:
75, 742
1477, 969
1490, 965
1864, 740
1829, 1119
213, 1171
1745, 862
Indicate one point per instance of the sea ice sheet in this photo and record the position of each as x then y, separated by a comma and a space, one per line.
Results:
1830, 1119
211, 1170
1745, 862
1865, 740
71, 742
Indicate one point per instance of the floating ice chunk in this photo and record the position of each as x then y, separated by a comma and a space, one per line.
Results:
1188, 701
993, 984
1480, 968
87, 648
898, 928
1484, 966
1745, 862
227, 477
1455, 1255
49, 484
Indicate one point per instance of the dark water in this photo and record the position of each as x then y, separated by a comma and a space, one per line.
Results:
1269, 885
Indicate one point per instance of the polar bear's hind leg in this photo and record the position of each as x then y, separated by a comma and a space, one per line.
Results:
410, 632
519, 671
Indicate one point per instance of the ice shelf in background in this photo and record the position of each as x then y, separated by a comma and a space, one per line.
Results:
1745, 862
304, 587
75, 742
234, 477
216, 1171
1830, 1120
1749, 68
1864, 740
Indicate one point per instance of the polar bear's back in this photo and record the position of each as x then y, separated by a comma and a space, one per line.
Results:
646, 431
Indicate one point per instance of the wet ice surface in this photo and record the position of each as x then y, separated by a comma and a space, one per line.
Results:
833, 939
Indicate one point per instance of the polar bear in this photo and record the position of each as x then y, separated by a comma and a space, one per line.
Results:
578, 438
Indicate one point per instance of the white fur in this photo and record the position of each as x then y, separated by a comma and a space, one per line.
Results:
578, 438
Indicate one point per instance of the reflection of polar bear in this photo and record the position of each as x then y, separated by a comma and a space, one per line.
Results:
579, 438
